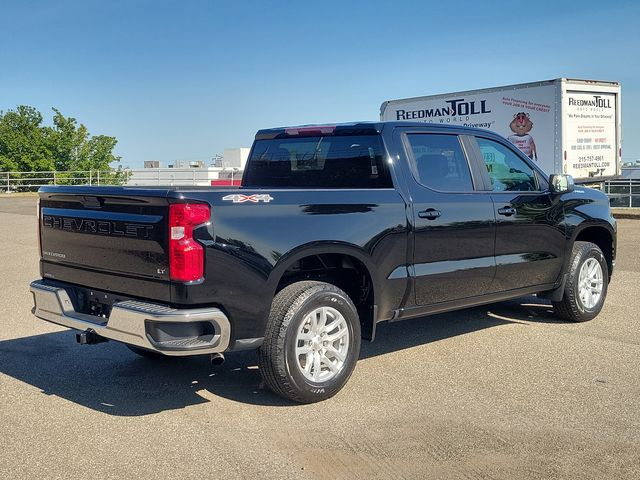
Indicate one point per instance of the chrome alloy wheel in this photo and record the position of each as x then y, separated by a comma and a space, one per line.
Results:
322, 344
590, 283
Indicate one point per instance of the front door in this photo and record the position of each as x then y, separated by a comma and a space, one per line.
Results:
530, 237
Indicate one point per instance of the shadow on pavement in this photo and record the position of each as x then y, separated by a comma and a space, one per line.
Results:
110, 379
419, 331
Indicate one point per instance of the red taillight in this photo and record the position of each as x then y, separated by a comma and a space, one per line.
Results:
186, 256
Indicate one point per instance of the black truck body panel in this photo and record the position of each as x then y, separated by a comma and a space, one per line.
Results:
115, 239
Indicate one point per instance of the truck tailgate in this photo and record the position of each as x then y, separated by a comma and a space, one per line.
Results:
106, 236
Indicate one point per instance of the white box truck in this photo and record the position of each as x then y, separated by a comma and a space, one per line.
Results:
566, 125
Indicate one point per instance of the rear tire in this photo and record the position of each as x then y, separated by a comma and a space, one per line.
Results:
587, 283
312, 342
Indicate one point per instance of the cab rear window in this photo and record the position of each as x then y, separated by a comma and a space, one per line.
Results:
349, 161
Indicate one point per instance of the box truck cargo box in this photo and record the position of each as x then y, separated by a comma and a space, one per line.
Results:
566, 125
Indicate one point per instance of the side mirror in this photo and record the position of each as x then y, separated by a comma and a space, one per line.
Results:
559, 183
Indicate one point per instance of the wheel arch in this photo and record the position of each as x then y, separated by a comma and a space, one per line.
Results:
292, 267
601, 235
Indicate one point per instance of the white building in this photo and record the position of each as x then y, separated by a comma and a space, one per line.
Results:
234, 157
225, 172
188, 164
185, 176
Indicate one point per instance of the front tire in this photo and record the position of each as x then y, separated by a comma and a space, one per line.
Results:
587, 284
312, 342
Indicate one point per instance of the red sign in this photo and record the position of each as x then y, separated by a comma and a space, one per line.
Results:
225, 183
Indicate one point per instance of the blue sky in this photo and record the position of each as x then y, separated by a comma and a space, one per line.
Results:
186, 79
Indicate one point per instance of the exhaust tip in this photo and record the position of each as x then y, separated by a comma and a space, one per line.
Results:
217, 359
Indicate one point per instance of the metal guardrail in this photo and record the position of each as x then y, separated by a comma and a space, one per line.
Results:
31, 181
623, 193
25, 181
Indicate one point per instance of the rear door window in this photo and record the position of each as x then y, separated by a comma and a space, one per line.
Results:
349, 161
440, 162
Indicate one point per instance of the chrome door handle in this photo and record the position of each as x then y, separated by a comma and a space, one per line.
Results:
429, 214
507, 211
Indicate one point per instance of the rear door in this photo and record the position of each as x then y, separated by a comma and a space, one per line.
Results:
530, 234
454, 220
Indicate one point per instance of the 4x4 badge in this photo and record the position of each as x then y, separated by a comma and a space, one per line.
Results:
255, 198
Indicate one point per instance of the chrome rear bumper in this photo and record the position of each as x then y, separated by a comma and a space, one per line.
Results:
147, 325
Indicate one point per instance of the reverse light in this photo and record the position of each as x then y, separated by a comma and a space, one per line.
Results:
186, 256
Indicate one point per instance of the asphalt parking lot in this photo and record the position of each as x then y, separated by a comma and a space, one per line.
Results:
500, 392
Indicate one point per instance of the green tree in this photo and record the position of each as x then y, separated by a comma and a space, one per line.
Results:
23, 145
65, 139
27, 146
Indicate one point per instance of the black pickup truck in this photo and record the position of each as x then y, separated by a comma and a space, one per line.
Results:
334, 229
